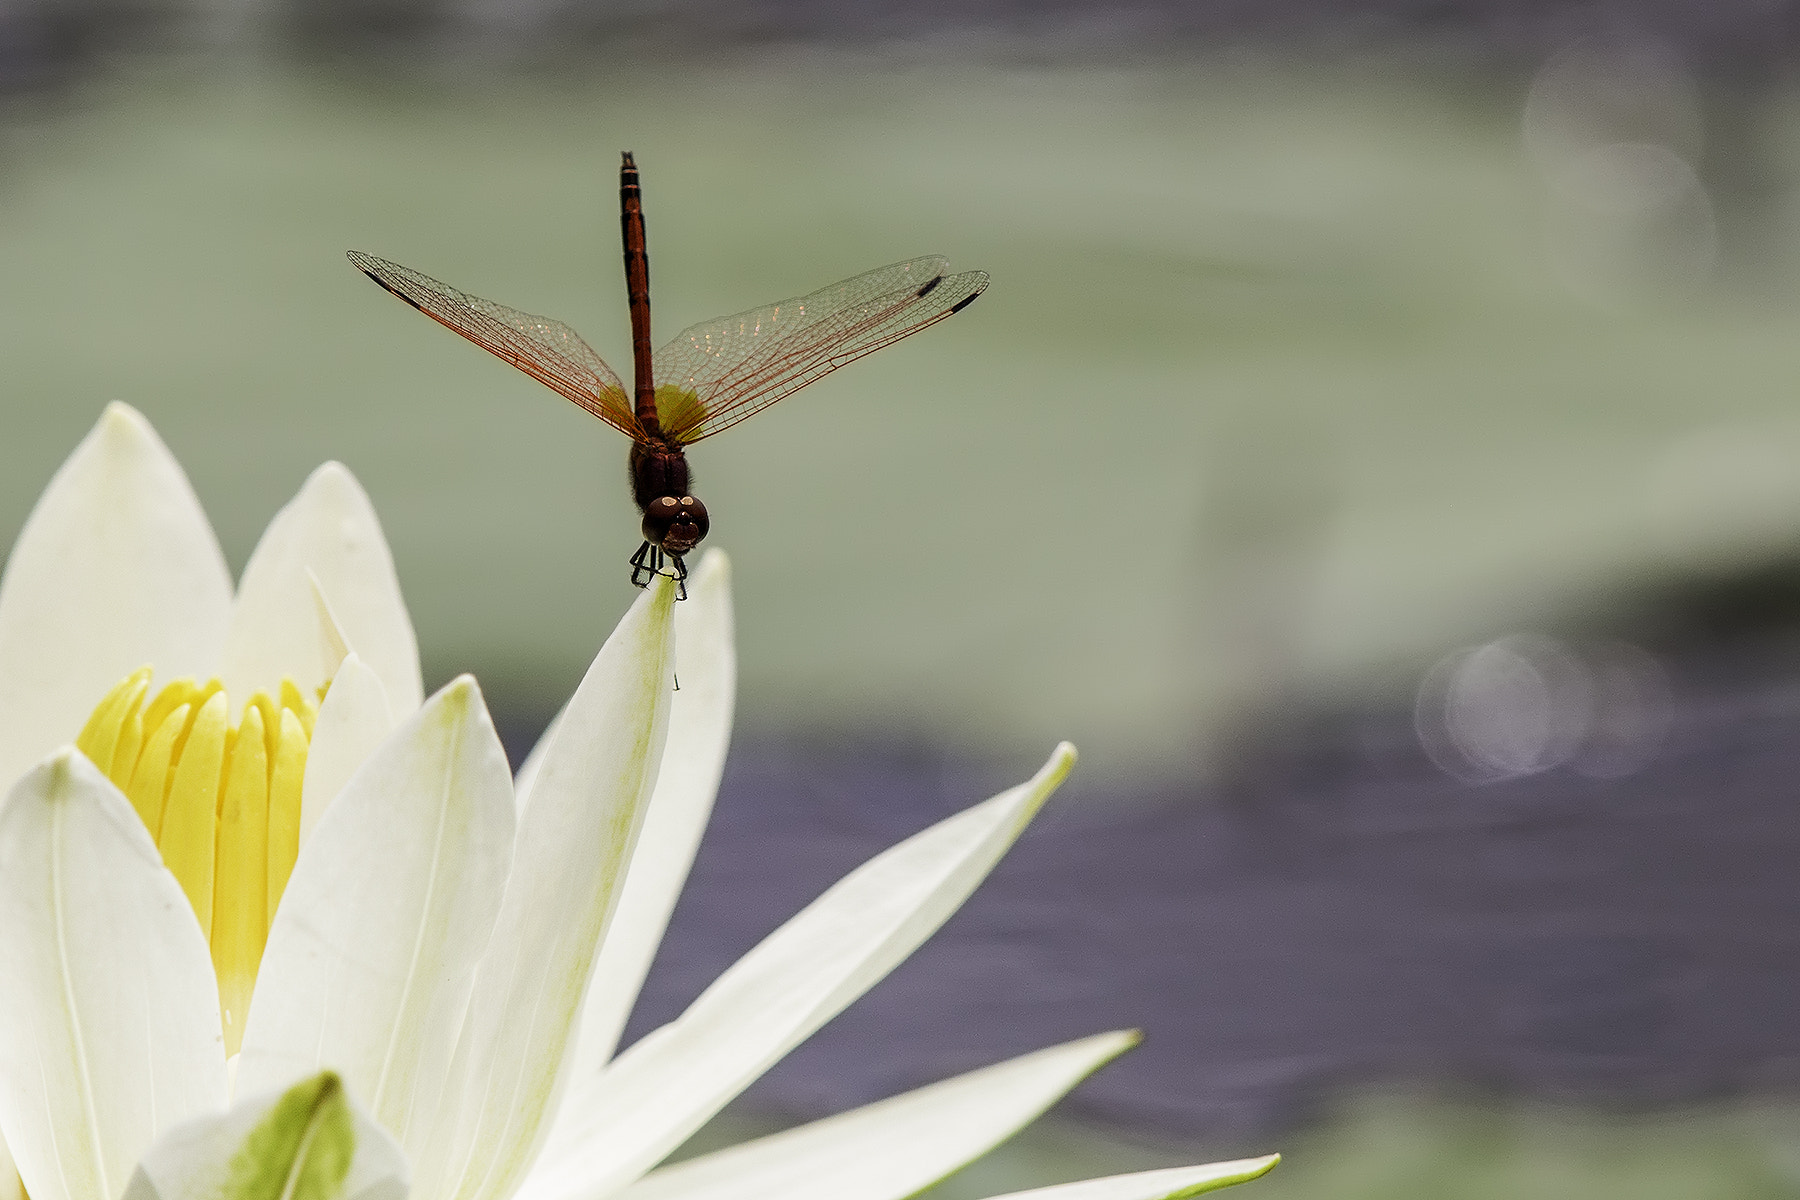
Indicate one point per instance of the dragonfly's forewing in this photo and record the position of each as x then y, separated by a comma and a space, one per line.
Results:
546, 350
719, 372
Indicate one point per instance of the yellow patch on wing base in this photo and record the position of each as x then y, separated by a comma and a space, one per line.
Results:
677, 409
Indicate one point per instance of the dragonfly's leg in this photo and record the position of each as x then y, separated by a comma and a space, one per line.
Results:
641, 569
680, 577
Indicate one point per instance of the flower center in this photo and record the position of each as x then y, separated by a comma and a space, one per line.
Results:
222, 802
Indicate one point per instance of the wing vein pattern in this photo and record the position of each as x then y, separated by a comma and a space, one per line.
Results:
719, 372
545, 349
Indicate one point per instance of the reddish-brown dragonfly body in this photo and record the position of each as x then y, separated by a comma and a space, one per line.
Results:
709, 378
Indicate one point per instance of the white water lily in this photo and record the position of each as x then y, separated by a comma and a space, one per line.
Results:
436, 962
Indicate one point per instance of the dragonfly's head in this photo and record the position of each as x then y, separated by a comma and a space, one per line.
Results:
675, 524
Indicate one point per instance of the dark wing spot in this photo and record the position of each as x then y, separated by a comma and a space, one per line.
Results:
926, 290
390, 291
962, 304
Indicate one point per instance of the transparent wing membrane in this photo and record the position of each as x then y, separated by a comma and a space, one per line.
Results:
719, 372
546, 350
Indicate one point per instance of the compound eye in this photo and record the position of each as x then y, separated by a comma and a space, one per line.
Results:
676, 523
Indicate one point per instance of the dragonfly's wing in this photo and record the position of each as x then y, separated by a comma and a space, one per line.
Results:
718, 372
548, 351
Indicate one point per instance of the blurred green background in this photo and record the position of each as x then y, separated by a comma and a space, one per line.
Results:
1284, 377
1433, 1146
1298, 370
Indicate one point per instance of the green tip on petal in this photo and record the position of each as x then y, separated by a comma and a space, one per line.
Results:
1247, 1169
301, 1150
60, 768
1254, 1168
1050, 776
460, 695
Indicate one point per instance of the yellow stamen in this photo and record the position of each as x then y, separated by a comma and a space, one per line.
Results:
241, 892
285, 776
100, 738
190, 821
296, 702
172, 697
222, 802
149, 789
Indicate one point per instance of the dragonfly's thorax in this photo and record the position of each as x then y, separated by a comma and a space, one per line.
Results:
657, 469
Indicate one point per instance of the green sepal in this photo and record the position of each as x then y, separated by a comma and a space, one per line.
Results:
310, 1142
301, 1150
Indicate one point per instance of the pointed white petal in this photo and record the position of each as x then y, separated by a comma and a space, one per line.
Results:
574, 839
1171, 1183
374, 948
109, 1016
328, 537
10, 1187
528, 770
311, 1142
352, 722
116, 567
666, 1086
334, 643
705, 616
893, 1148
693, 760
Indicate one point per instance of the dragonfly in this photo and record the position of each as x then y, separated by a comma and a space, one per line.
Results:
710, 377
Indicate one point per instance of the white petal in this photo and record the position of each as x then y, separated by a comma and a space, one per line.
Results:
693, 760
115, 568
334, 643
10, 1187
374, 948
312, 1140
574, 839
893, 1148
1171, 1183
352, 722
109, 1015
666, 1086
706, 616
528, 770
327, 533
